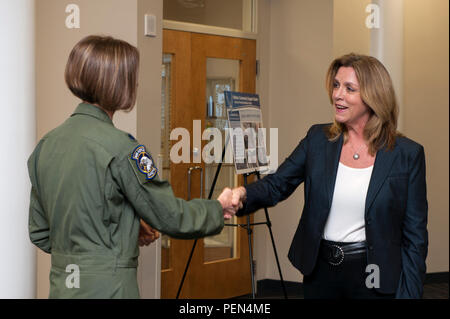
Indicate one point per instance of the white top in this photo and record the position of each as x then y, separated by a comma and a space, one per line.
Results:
346, 219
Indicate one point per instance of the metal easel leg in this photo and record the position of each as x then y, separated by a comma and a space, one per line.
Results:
250, 255
250, 249
269, 225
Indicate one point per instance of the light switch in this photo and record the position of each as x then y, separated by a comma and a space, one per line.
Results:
150, 25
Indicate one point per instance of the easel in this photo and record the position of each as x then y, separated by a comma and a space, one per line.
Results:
249, 233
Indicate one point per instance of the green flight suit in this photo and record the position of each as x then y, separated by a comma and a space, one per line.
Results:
91, 183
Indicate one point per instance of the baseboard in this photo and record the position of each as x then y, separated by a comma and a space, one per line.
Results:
272, 286
436, 277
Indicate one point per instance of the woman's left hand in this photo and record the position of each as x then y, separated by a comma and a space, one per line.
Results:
147, 235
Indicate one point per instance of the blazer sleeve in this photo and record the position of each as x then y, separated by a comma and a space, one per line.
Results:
276, 187
414, 233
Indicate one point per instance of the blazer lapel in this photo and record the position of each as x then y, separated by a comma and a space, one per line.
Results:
381, 169
333, 154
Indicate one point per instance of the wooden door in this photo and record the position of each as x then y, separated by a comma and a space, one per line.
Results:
220, 265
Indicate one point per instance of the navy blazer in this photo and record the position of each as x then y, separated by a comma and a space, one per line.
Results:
395, 212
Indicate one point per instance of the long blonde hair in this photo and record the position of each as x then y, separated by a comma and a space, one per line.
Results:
377, 92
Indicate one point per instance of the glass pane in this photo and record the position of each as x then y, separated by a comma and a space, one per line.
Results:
234, 14
166, 94
221, 75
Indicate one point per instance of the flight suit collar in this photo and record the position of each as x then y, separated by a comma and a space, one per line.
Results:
94, 111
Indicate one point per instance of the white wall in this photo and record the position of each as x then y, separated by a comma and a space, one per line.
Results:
17, 137
387, 43
263, 53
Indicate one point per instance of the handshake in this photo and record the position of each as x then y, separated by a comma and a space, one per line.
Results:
232, 200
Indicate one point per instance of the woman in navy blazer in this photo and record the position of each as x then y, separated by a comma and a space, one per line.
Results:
388, 258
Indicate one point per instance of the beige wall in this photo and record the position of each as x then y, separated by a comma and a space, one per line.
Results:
118, 18
295, 50
149, 126
426, 106
227, 14
349, 30
54, 41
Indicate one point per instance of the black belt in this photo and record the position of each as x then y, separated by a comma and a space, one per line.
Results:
335, 252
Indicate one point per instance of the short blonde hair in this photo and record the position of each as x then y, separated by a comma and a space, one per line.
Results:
103, 70
377, 92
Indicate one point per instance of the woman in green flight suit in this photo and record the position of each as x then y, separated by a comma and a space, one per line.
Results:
92, 184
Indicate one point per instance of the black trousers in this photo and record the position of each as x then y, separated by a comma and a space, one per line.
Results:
345, 281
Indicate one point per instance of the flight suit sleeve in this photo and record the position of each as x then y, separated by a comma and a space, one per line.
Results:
154, 200
38, 227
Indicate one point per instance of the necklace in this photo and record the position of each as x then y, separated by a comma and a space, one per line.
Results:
356, 154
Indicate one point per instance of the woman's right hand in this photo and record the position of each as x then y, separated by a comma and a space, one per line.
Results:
239, 197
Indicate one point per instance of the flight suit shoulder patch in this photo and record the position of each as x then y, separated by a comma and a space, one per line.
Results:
144, 162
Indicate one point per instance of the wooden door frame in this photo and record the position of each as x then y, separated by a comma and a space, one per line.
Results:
184, 98
174, 43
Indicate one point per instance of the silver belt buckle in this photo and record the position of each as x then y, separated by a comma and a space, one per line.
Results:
337, 255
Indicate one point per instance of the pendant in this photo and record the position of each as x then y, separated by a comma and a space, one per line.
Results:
356, 156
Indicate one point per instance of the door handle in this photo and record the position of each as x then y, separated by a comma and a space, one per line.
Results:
189, 180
